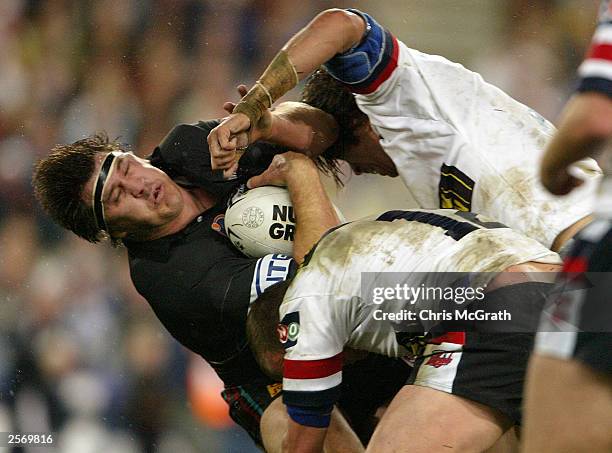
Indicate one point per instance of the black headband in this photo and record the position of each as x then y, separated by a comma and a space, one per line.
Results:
97, 205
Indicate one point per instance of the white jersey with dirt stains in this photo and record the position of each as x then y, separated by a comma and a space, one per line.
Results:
457, 141
324, 309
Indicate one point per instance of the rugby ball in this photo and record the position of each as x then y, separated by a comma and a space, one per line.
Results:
261, 221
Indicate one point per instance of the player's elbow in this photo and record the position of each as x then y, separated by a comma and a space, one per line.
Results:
346, 26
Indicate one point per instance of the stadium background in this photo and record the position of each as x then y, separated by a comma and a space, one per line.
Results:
81, 354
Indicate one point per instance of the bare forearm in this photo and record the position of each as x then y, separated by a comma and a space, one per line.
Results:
585, 125
303, 128
331, 32
314, 212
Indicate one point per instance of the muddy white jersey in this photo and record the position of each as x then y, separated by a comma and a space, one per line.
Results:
457, 141
324, 309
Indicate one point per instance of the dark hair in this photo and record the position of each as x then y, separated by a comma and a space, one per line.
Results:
59, 180
261, 328
328, 94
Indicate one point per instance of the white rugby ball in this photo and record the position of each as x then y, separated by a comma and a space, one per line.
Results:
261, 221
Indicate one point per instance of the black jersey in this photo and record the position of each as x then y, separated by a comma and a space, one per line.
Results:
198, 284
183, 155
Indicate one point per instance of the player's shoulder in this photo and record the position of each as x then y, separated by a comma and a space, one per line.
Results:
186, 136
365, 66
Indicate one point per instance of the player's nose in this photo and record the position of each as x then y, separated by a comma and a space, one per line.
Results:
138, 187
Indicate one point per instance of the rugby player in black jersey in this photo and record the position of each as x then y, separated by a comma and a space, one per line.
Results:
167, 211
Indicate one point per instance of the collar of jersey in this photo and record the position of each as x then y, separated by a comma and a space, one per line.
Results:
159, 249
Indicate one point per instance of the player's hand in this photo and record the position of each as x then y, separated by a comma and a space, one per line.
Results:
280, 169
263, 128
559, 181
227, 142
229, 106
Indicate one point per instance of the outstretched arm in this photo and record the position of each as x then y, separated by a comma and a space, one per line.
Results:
585, 125
295, 125
303, 128
331, 32
586, 121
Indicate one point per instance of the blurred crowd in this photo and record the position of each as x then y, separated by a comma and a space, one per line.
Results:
81, 353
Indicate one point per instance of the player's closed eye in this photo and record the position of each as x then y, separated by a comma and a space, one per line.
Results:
116, 195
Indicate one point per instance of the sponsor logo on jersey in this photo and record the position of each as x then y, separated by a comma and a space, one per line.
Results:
455, 189
218, 224
283, 333
270, 269
274, 389
439, 359
288, 329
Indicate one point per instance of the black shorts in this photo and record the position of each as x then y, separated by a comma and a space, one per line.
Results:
486, 365
577, 321
366, 385
488, 368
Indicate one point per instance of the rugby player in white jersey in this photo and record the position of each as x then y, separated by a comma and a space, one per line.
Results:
456, 141
465, 389
569, 387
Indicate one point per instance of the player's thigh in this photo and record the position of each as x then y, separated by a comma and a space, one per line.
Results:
273, 426
340, 437
568, 407
422, 419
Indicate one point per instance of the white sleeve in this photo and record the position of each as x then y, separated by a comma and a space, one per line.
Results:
313, 336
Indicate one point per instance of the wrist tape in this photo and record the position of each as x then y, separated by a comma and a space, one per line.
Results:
279, 77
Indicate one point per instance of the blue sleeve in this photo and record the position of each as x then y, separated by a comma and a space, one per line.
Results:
318, 417
364, 67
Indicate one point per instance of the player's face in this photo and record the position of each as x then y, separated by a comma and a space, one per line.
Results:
368, 156
137, 197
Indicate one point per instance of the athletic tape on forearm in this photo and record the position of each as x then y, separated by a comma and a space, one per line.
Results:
279, 77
